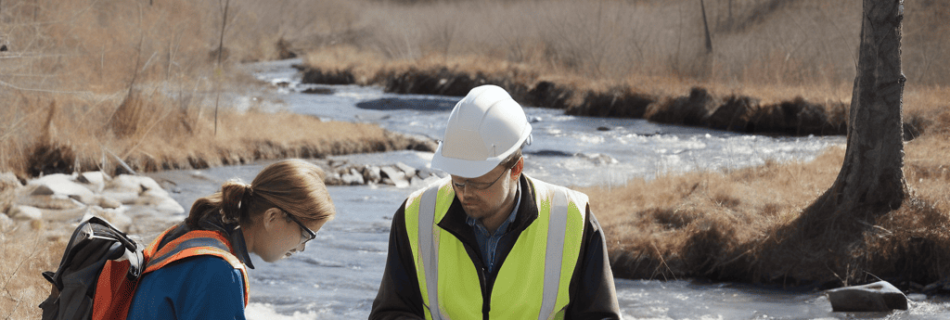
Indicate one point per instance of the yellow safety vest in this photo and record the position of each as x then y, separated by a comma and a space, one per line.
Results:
532, 283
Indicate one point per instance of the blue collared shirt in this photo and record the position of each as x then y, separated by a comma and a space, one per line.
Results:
488, 242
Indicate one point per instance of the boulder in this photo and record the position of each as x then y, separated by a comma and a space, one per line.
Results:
8, 181
880, 296
333, 178
163, 204
396, 176
108, 203
52, 202
94, 180
410, 171
424, 174
371, 174
352, 178
25, 213
117, 218
60, 184
137, 184
120, 197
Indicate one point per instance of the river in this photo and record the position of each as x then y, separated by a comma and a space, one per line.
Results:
338, 274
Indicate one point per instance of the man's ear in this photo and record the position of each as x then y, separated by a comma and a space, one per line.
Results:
270, 216
517, 169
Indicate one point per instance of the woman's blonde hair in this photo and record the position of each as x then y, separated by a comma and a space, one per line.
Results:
295, 186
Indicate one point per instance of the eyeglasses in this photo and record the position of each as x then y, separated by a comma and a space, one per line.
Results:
305, 233
480, 185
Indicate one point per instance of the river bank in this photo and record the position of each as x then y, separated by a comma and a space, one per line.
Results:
747, 225
697, 107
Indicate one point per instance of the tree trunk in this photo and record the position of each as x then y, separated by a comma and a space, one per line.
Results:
871, 180
709, 48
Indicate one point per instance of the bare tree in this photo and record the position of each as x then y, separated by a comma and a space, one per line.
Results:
224, 25
709, 48
871, 180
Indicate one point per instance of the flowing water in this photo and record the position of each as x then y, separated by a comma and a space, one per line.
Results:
338, 275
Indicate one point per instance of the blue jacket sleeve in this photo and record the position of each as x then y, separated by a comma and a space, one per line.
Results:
203, 287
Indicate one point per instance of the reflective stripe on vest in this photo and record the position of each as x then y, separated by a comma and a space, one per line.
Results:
194, 243
533, 282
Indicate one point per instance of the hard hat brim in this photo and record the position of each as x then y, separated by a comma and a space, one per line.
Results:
474, 168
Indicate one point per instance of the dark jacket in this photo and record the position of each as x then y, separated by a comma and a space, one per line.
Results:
592, 290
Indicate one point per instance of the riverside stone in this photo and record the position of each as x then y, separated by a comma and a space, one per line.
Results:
116, 217
371, 174
8, 181
410, 171
52, 202
95, 181
162, 204
137, 184
61, 184
352, 179
108, 203
121, 197
27, 213
880, 296
396, 176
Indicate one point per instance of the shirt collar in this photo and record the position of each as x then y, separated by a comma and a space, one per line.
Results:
234, 235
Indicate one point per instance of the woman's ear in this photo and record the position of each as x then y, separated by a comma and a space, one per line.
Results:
269, 217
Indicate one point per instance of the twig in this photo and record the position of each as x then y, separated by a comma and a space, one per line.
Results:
122, 163
663, 261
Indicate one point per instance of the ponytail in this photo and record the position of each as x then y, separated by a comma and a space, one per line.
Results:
230, 205
292, 185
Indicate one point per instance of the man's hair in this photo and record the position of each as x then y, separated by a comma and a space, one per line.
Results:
513, 158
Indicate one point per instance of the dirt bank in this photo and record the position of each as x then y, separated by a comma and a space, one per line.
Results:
698, 108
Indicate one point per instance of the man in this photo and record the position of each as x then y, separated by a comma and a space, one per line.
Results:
489, 242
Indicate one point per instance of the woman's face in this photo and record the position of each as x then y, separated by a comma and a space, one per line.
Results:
281, 236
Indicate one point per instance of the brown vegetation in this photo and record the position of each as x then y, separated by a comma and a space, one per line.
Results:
747, 224
86, 82
22, 288
778, 67
95, 84
770, 59
88, 85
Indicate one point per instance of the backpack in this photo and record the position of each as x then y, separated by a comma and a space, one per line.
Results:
101, 267
97, 254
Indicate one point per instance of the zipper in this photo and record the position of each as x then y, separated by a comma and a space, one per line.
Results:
486, 293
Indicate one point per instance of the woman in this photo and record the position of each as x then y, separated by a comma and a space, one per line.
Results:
196, 269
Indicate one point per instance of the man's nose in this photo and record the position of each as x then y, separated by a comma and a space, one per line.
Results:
460, 192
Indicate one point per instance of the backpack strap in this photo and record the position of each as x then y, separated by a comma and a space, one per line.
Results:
191, 244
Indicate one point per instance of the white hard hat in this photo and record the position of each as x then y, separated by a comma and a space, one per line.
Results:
484, 128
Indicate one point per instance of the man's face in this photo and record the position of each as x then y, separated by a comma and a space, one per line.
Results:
485, 196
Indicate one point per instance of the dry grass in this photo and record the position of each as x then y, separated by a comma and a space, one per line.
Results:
612, 58
773, 50
22, 288
746, 224
70, 101
87, 82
